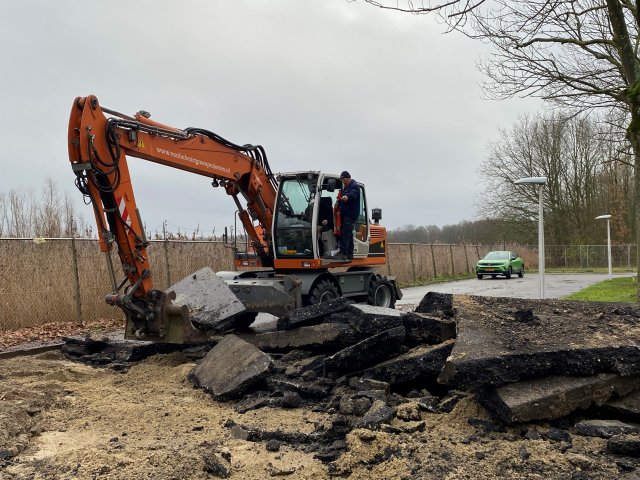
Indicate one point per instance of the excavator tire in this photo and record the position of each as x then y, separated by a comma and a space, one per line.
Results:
324, 291
381, 293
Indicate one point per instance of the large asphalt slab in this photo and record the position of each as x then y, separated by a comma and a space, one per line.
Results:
555, 286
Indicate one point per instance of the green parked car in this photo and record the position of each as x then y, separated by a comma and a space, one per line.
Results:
500, 263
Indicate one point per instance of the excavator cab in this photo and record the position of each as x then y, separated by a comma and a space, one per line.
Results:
305, 222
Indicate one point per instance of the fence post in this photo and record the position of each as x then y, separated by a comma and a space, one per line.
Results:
433, 260
413, 265
388, 258
76, 279
166, 261
453, 268
587, 256
628, 256
466, 259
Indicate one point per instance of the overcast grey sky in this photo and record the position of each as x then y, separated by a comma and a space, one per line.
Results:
321, 84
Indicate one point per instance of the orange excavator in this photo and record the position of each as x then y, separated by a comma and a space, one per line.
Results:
281, 215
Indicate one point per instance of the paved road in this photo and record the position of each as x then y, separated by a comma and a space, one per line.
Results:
556, 285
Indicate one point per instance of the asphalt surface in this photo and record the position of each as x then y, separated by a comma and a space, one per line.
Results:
555, 286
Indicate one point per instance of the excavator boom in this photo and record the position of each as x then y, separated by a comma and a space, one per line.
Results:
100, 140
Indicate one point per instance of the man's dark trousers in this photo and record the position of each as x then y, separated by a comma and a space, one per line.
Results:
346, 237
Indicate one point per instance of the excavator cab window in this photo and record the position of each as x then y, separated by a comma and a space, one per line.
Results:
294, 214
330, 185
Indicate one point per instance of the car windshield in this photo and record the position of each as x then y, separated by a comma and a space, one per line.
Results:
497, 256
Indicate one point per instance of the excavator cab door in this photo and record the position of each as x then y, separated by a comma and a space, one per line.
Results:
293, 232
361, 228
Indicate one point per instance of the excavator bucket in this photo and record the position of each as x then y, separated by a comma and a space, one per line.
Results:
193, 309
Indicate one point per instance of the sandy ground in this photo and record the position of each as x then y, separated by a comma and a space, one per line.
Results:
66, 420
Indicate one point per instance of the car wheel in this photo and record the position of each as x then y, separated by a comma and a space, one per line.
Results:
323, 292
508, 274
381, 293
479, 277
494, 276
521, 272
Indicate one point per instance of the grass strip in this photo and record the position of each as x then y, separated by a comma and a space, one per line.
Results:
620, 289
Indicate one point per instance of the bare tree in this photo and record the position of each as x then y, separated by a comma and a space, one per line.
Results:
574, 153
22, 213
577, 53
3, 214
49, 222
52, 214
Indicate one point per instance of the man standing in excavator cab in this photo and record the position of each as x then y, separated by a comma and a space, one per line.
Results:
349, 210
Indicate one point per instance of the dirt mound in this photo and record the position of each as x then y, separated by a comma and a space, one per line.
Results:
62, 419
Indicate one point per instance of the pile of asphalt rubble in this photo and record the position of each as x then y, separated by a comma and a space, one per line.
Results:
524, 361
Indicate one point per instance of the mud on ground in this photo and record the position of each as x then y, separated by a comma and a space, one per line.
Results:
66, 420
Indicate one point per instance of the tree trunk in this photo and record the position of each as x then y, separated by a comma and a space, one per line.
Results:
633, 134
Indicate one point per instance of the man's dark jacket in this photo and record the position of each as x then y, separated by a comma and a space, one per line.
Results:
351, 208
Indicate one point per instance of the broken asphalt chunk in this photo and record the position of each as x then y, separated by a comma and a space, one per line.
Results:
307, 389
496, 349
437, 304
605, 428
312, 314
303, 366
211, 303
368, 352
322, 337
379, 413
368, 320
554, 397
112, 350
624, 445
422, 328
627, 406
217, 465
231, 368
422, 362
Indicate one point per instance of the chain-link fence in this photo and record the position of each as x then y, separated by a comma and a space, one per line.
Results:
589, 257
65, 280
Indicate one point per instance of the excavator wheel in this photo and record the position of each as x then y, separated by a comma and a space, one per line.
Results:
381, 293
324, 291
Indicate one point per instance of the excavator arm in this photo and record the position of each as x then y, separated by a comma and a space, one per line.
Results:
100, 140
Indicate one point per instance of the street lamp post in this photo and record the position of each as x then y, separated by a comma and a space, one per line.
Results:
607, 218
540, 182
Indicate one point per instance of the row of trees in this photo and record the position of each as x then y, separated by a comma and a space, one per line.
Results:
587, 176
50, 214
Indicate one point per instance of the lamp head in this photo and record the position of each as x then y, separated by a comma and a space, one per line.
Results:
531, 181
603, 217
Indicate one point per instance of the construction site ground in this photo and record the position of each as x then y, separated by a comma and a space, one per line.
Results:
61, 419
